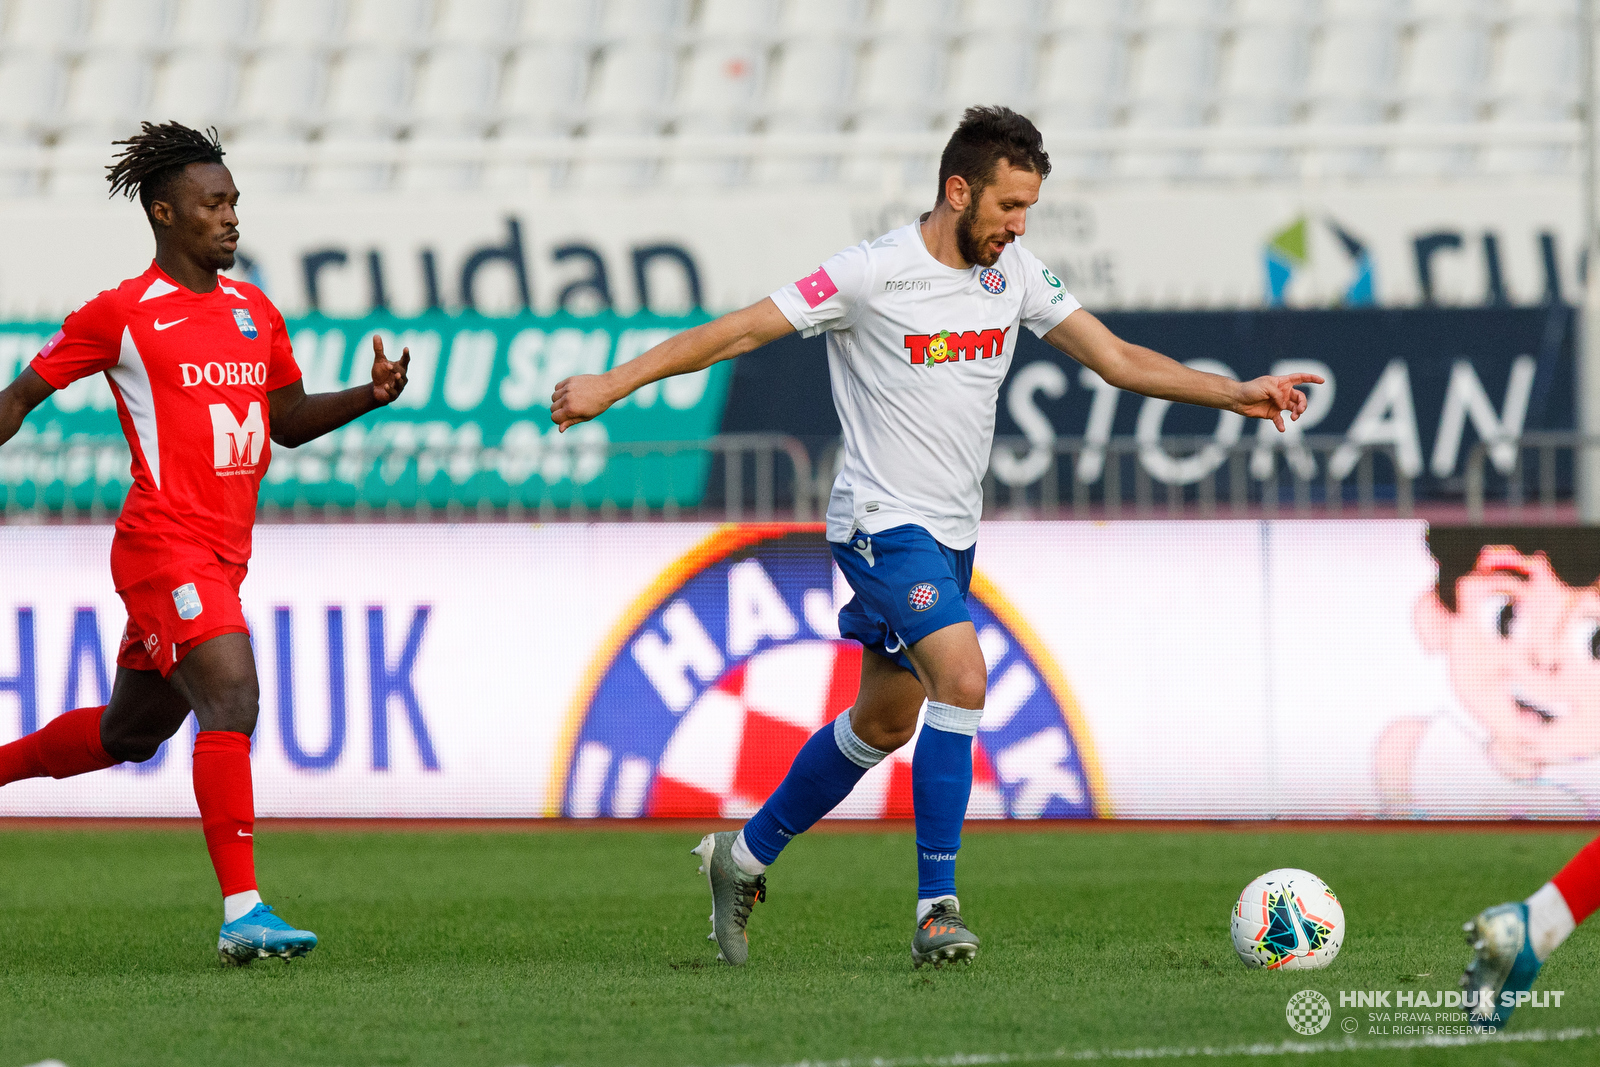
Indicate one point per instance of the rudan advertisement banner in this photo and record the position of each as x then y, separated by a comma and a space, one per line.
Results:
472, 427
1137, 670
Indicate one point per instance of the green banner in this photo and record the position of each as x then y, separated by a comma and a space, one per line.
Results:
472, 428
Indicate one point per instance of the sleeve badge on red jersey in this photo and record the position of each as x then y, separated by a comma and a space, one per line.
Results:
246, 324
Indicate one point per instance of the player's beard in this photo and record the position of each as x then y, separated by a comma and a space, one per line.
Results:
967, 243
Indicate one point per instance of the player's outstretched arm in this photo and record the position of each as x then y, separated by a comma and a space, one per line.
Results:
1146, 371
19, 398
584, 396
298, 418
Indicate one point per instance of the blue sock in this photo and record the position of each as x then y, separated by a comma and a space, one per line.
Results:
827, 768
941, 783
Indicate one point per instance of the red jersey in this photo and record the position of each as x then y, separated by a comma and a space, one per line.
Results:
191, 373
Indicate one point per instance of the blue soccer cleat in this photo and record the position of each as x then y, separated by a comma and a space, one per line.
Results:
258, 934
1502, 962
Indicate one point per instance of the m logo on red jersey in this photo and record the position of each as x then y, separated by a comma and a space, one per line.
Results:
237, 445
948, 346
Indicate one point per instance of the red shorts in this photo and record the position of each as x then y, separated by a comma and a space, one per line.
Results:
178, 594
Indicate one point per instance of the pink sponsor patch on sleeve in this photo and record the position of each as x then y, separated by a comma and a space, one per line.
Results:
50, 345
815, 288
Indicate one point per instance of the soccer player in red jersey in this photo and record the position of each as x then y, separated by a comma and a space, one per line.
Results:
205, 382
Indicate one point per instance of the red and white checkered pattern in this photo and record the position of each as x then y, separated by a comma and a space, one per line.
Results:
923, 596
736, 742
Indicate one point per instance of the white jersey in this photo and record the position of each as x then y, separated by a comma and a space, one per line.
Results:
916, 354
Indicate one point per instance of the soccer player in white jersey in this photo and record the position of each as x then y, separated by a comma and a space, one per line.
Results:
922, 324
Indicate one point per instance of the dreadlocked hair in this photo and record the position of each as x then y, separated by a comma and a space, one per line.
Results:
156, 155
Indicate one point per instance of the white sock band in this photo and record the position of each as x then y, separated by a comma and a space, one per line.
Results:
951, 719
855, 750
925, 905
744, 859
1549, 920
238, 905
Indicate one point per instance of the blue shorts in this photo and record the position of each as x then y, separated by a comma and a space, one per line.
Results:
907, 585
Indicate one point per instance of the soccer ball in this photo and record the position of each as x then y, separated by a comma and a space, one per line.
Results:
1288, 920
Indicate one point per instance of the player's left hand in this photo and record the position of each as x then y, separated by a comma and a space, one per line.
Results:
1269, 396
388, 377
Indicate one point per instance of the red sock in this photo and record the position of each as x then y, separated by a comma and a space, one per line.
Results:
67, 745
227, 806
1579, 881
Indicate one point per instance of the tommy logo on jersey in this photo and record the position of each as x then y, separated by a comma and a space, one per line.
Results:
948, 346
714, 678
992, 280
247, 325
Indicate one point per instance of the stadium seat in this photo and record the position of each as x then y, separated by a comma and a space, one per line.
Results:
399, 24
57, 26
1008, 16
485, 23
1515, 10
1536, 82
1351, 82
1181, 14
370, 88
808, 91
456, 91
643, 19
109, 90
900, 85
545, 21
264, 177
198, 88
833, 20
230, 23
140, 24
18, 177
1081, 77
282, 92
632, 89
544, 87
311, 24
720, 96
737, 18
1273, 12
1441, 84
33, 85
1075, 16
1172, 84
991, 68
924, 18
1262, 83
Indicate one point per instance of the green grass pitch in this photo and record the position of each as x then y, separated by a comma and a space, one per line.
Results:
588, 948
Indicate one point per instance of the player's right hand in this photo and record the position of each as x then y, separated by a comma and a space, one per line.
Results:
578, 399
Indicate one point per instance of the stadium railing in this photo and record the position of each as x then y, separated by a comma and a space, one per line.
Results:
766, 477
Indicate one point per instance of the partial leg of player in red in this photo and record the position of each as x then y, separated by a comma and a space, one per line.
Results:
1510, 942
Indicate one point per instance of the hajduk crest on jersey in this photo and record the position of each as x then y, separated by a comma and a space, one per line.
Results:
711, 682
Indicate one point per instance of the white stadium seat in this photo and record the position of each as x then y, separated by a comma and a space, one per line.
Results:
370, 89
487, 23
720, 81
737, 18
1273, 12
51, 25
644, 18
143, 24
543, 93
544, 21
33, 85
828, 19
197, 88
809, 89
1538, 68
313, 24
1074, 16
390, 23
283, 90
228, 24
991, 68
631, 90
900, 84
456, 91
1002, 16
110, 90
1181, 14
1081, 77
1262, 82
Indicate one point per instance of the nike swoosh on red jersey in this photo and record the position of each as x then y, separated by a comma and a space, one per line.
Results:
168, 325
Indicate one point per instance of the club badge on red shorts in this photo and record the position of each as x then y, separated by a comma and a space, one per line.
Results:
923, 596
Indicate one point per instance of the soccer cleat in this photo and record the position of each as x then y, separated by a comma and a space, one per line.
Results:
1502, 962
258, 934
733, 894
942, 937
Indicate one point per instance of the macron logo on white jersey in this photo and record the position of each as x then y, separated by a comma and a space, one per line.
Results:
237, 445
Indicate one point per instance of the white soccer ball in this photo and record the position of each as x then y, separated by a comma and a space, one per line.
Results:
1288, 920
